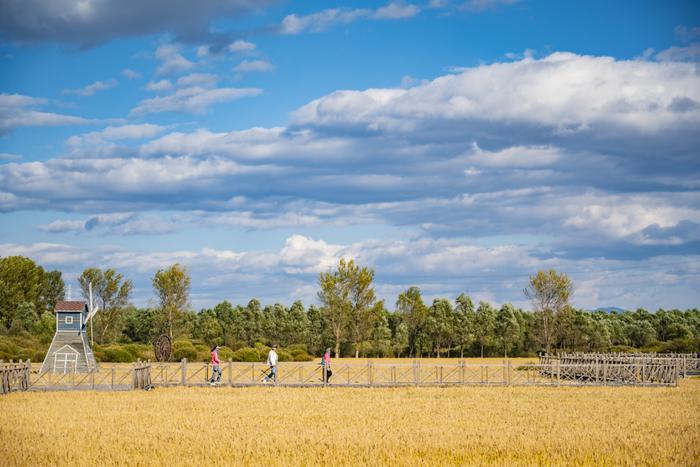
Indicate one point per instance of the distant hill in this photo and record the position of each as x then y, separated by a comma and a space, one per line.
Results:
610, 309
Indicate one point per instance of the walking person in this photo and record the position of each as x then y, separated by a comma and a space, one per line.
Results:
272, 363
215, 366
326, 365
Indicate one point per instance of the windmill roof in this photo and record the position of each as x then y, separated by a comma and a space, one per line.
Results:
71, 305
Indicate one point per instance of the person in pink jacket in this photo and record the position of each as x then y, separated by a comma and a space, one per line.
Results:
215, 366
326, 364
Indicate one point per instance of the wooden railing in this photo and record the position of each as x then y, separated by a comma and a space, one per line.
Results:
114, 377
14, 376
616, 368
416, 373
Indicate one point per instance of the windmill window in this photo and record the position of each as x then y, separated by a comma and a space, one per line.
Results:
69, 320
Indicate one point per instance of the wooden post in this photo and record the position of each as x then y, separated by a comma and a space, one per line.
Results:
325, 375
505, 374
510, 375
184, 372
369, 372
558, 372
230, 372
461, 371
92, 379
605, 372
416, 378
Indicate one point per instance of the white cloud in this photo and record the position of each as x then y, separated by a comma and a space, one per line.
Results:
322, 20
317, 22
481, 5
241, 46
16, 111
690, 53
161, 85
171, 60
205, 80
130, 74
192, 99
396, 10
247, 66
89, 23
565, 92
91, 89
7, 156
101, 143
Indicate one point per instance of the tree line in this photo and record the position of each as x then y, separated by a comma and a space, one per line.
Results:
348, 317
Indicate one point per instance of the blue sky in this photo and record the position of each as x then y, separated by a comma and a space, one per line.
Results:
455, 145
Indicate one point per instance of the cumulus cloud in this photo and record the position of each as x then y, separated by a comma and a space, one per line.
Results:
102, 143
322, 20
91, 89
193, 99
690, 53
112, 224
592, 93
241, 46
396, 10
605, 166
171, 60
93, 22
247, 66
157, 86
481, 5
130, 74
17, 110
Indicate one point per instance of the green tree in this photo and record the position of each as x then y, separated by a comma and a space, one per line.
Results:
363, 316
111, 292
484, 324
22, 280
440, 324
172, 287
25, 318
549, 292
464, 323
507, 327
226, 316
414, 312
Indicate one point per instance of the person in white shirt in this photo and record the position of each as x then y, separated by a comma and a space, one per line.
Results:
272, 363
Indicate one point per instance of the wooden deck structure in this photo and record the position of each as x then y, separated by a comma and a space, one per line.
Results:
14, 376
559, 370
615, 368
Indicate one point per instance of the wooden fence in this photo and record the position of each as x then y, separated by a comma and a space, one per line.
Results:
688, 363
559, 370
416, 373
619, 368
14, 376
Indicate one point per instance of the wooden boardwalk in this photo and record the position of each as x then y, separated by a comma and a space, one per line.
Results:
562, 370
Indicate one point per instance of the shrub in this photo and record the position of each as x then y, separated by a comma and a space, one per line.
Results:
622, 349
184, 351
246, 354
284, 356
39, 356
182, 343
225, 353
299, 355
117, 354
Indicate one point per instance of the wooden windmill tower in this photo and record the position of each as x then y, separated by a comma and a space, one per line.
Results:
70, 349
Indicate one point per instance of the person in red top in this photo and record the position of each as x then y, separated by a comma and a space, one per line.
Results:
215, 367
326, 365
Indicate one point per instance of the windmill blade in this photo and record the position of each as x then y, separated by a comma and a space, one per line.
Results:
92, 309
92, 313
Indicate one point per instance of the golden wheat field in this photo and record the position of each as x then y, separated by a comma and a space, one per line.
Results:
351, 426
